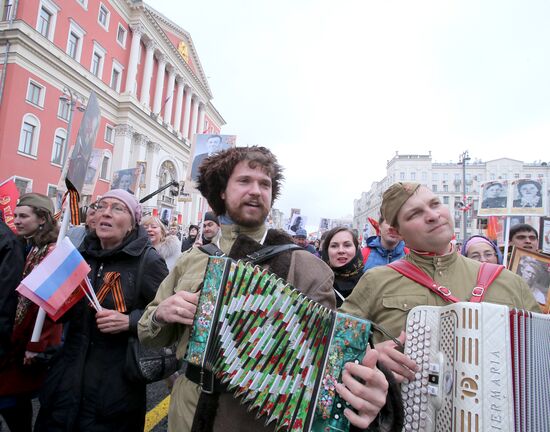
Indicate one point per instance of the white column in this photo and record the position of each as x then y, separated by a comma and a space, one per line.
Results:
137, 31
195, 117
179, 100
169, 95
157, 104
122, 147
200, 127
187, 113
153, 155
147, 73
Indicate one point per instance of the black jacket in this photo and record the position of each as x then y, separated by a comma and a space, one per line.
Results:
87, 385
12, 261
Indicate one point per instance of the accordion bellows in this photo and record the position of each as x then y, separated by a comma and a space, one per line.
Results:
271, 345
482, 367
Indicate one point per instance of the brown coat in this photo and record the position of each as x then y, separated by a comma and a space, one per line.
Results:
304, 271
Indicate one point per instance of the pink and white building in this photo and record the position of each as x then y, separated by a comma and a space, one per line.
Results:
145, 70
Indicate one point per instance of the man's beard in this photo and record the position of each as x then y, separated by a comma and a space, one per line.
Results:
248, 222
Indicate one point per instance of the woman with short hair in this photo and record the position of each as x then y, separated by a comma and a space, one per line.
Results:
168, 246
87, 388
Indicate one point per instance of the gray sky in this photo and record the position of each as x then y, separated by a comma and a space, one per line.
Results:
334, 89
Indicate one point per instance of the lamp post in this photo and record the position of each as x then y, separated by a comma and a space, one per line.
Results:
463, 159
72, 99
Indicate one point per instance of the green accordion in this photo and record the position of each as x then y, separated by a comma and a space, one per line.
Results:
271, 345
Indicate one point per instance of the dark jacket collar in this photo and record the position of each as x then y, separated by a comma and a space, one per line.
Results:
133, 245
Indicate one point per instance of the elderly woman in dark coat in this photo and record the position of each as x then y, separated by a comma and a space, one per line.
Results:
87, 388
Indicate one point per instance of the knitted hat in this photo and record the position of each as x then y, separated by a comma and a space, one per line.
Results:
37, 200
210, 216
129, 200
393, 199
300, 232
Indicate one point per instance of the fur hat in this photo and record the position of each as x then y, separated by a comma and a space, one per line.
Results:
393, 199
215, 171
36, 200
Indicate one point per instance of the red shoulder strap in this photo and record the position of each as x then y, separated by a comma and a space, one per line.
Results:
486, 276
365, 252
414, 273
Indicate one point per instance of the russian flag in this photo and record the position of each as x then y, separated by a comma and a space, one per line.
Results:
54, 280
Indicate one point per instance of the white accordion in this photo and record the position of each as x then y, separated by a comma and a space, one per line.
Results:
482, 367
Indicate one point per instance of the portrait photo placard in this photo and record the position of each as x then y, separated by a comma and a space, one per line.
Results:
520, 197
534, 269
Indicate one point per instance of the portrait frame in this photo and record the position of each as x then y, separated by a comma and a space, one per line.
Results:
534, 268
544, 235
142, 165
200, 149
127, 179
497, 205
516, 198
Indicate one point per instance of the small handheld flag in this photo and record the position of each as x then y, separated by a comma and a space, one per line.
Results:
52, 284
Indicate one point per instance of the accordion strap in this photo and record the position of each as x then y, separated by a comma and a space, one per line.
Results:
485, 277
258, 257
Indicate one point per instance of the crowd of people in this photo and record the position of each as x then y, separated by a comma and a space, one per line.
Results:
147, 279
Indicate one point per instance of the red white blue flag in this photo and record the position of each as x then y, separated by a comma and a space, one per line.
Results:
52, 284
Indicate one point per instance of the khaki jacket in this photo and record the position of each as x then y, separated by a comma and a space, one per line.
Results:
385, 297
307, 273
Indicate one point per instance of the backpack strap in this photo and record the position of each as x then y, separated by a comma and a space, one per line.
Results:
212, 250
486, 276
414, 273
268, 252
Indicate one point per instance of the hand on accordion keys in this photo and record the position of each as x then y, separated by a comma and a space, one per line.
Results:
178, 308
365, 388
400, 364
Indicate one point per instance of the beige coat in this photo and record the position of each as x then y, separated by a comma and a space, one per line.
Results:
385, 297
307, 273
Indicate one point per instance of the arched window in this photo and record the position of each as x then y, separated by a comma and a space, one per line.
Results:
167, 174
105, 172
58, 149
30, 133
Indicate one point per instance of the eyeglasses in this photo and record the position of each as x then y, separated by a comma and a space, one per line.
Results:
115, 208
486, 255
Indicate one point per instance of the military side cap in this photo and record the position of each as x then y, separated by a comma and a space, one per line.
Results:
37, 200
393, 199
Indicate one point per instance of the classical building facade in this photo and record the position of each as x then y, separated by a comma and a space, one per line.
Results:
152, 91
446, 180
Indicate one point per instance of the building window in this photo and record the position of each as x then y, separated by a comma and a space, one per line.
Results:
46, 18
121, 35
59, 146
116, 76
103, 16
424, 176
98, 58
516, 175
401, 175
35, 94
63, 110
72, 46
44, 22
434, 188
52, 191
445, 200
527, 175
493, 176
457, 176
83, 3
413, 176
457, 187
435, 177
445, 176
109, 134
105, 167
28, 139
74, 41
445, 188
23, 185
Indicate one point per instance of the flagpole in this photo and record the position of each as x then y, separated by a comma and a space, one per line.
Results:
506, 240
37, 331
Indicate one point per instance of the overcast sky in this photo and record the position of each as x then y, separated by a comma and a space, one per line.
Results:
334, 89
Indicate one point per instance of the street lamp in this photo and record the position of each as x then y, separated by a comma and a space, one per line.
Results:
463, 159
73, 100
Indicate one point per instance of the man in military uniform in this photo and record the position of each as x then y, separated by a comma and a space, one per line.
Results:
385, 296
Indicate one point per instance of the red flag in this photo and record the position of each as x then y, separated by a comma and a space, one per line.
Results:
375, 225
492, 227
156, 212
180, 219
9, 194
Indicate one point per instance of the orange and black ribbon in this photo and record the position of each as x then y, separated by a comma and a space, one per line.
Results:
111, 284
74, 198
